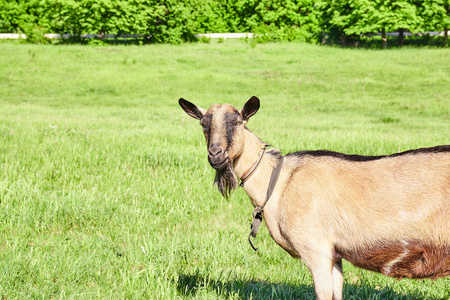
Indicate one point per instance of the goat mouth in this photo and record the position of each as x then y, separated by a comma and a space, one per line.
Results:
218, 165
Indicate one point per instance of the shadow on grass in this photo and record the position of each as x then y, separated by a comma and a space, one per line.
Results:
374, 42
189, 285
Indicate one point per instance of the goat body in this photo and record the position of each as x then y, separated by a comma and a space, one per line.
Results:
389, 214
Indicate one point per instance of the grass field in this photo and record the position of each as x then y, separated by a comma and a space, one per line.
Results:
105, 189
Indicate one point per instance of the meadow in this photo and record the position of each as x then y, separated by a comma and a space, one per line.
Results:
105, 188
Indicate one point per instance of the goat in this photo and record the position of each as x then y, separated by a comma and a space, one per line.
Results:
389, 214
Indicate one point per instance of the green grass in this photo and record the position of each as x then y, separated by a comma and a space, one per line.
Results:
105, 189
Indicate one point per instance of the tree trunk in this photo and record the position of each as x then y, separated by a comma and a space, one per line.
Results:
401, 37
444, 42
383, 38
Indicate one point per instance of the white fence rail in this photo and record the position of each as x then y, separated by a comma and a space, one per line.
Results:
15, 36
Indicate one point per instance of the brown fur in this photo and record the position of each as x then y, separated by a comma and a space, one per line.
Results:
412, 260
388, 214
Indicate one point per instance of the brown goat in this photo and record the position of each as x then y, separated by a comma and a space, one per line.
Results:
389, 214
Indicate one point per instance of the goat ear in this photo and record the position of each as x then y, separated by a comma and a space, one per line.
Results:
192, 109
250, 108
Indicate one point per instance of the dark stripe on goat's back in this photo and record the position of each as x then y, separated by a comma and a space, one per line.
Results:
354, 157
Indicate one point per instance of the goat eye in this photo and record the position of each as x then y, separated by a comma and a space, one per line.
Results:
238, 122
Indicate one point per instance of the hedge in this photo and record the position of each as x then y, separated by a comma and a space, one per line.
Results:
175, 21
171, 21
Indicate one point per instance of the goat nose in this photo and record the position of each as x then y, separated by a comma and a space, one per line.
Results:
214, 150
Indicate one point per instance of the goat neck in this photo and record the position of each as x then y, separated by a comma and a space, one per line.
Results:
257, 184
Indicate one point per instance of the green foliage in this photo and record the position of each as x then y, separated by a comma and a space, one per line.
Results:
20, 15
35, 34
176, 21
171, 21
284, 20
346, 21
436, 14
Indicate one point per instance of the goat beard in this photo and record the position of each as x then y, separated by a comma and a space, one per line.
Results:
225, 180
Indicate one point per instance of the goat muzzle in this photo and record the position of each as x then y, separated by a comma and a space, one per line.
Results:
218, 162
218, 159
